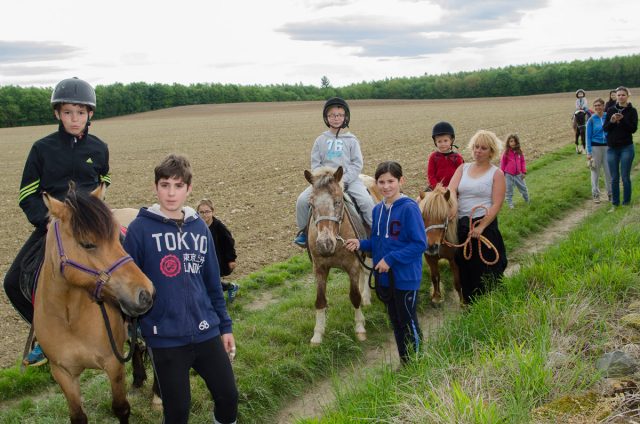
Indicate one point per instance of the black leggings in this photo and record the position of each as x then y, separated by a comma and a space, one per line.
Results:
476, 277
401, 308
12, 278
211, 362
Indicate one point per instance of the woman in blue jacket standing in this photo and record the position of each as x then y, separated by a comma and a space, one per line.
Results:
597, 150
397, 243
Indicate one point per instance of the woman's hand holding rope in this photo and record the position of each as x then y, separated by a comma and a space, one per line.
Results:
476, 232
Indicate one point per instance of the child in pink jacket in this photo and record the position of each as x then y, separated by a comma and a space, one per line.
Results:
514, 167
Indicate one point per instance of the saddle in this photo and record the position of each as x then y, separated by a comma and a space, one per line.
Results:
361, 229
30, 266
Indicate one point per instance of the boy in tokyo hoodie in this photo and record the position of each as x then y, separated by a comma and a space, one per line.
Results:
188, 326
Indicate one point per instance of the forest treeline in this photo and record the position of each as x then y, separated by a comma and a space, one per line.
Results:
21, 106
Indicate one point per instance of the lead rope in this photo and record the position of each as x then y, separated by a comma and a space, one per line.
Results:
466, 246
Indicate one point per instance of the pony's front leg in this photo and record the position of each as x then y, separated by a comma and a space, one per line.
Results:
456, 279
436, 296
70, 385
365, 290
356, 301
119, 403
321, 305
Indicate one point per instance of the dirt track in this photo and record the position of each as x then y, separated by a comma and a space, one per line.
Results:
249, 159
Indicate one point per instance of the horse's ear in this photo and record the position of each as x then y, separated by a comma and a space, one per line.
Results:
56, 207
422, 194
100, 192
308, 176
338, 174
447, 195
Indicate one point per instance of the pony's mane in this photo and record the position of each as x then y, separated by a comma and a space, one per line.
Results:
91, 219
438, 209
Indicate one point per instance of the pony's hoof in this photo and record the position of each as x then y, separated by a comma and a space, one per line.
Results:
361, 336
437, 300
156, 402
316, 339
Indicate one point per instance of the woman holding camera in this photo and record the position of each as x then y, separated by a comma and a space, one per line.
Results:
621, 122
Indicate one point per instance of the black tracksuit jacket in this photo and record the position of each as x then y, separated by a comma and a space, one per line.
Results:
53, 162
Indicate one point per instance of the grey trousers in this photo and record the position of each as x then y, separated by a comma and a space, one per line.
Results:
518, 181
599, 155
356, 190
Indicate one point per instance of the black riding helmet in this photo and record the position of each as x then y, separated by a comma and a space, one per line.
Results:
74, 91
443, 127
337, 101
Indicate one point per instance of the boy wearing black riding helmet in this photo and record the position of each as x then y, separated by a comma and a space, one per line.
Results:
444, 161
334, 148
69, 154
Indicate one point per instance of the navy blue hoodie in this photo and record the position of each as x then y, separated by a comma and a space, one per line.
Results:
189, 306
397, 236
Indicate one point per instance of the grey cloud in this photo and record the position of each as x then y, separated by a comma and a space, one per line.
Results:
375, 38
324, 4
19, 70
378, 37
34, 51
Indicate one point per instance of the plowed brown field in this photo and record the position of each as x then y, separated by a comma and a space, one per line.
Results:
250, 158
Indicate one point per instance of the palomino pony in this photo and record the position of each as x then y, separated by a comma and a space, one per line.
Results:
85, 266
580, 118
330, 225
439, 214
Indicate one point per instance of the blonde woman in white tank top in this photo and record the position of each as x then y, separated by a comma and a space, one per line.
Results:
480, 183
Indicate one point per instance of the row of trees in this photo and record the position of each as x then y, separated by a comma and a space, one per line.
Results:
30, 106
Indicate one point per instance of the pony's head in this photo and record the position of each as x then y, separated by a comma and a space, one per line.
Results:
327, 207
437, 209
83, 243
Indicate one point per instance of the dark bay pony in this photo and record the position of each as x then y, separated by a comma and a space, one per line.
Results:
439, 214
85, 264
580, 118
330, 225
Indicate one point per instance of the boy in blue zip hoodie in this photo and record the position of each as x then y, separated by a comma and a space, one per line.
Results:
188, 325
397, 243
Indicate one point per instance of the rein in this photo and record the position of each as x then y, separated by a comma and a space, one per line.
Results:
103, 278
466, 245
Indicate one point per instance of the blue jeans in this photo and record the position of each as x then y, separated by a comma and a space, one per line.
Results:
620, 160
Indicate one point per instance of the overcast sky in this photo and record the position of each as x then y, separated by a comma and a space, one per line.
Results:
299, 41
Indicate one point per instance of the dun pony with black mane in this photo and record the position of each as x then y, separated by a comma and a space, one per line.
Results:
439, 213
84, 266
330, 225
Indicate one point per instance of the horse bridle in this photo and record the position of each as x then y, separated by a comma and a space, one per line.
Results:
337, 219
442, 227
103, 278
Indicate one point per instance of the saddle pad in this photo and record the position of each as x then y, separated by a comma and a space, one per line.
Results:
362, 232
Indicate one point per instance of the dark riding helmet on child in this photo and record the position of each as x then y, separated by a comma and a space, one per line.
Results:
443, 127
74, 91
339, 102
